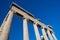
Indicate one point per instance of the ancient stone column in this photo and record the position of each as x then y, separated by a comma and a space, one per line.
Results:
7, 25
4, 21
54, 36
49, 34
36, 32
44, 34
25, 30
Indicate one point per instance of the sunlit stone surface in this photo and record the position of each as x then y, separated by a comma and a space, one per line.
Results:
26, 16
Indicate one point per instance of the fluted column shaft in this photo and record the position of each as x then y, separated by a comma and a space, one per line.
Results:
25, 30
36, 32
6, 28
44, 34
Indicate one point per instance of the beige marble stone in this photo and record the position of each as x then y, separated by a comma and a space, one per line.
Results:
36, 32
6, 29
44, 34
25, 30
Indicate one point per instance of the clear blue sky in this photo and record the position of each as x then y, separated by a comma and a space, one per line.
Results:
47, 10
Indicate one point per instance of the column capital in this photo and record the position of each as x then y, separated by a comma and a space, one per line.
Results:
13, 10
25, 18
36, 21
